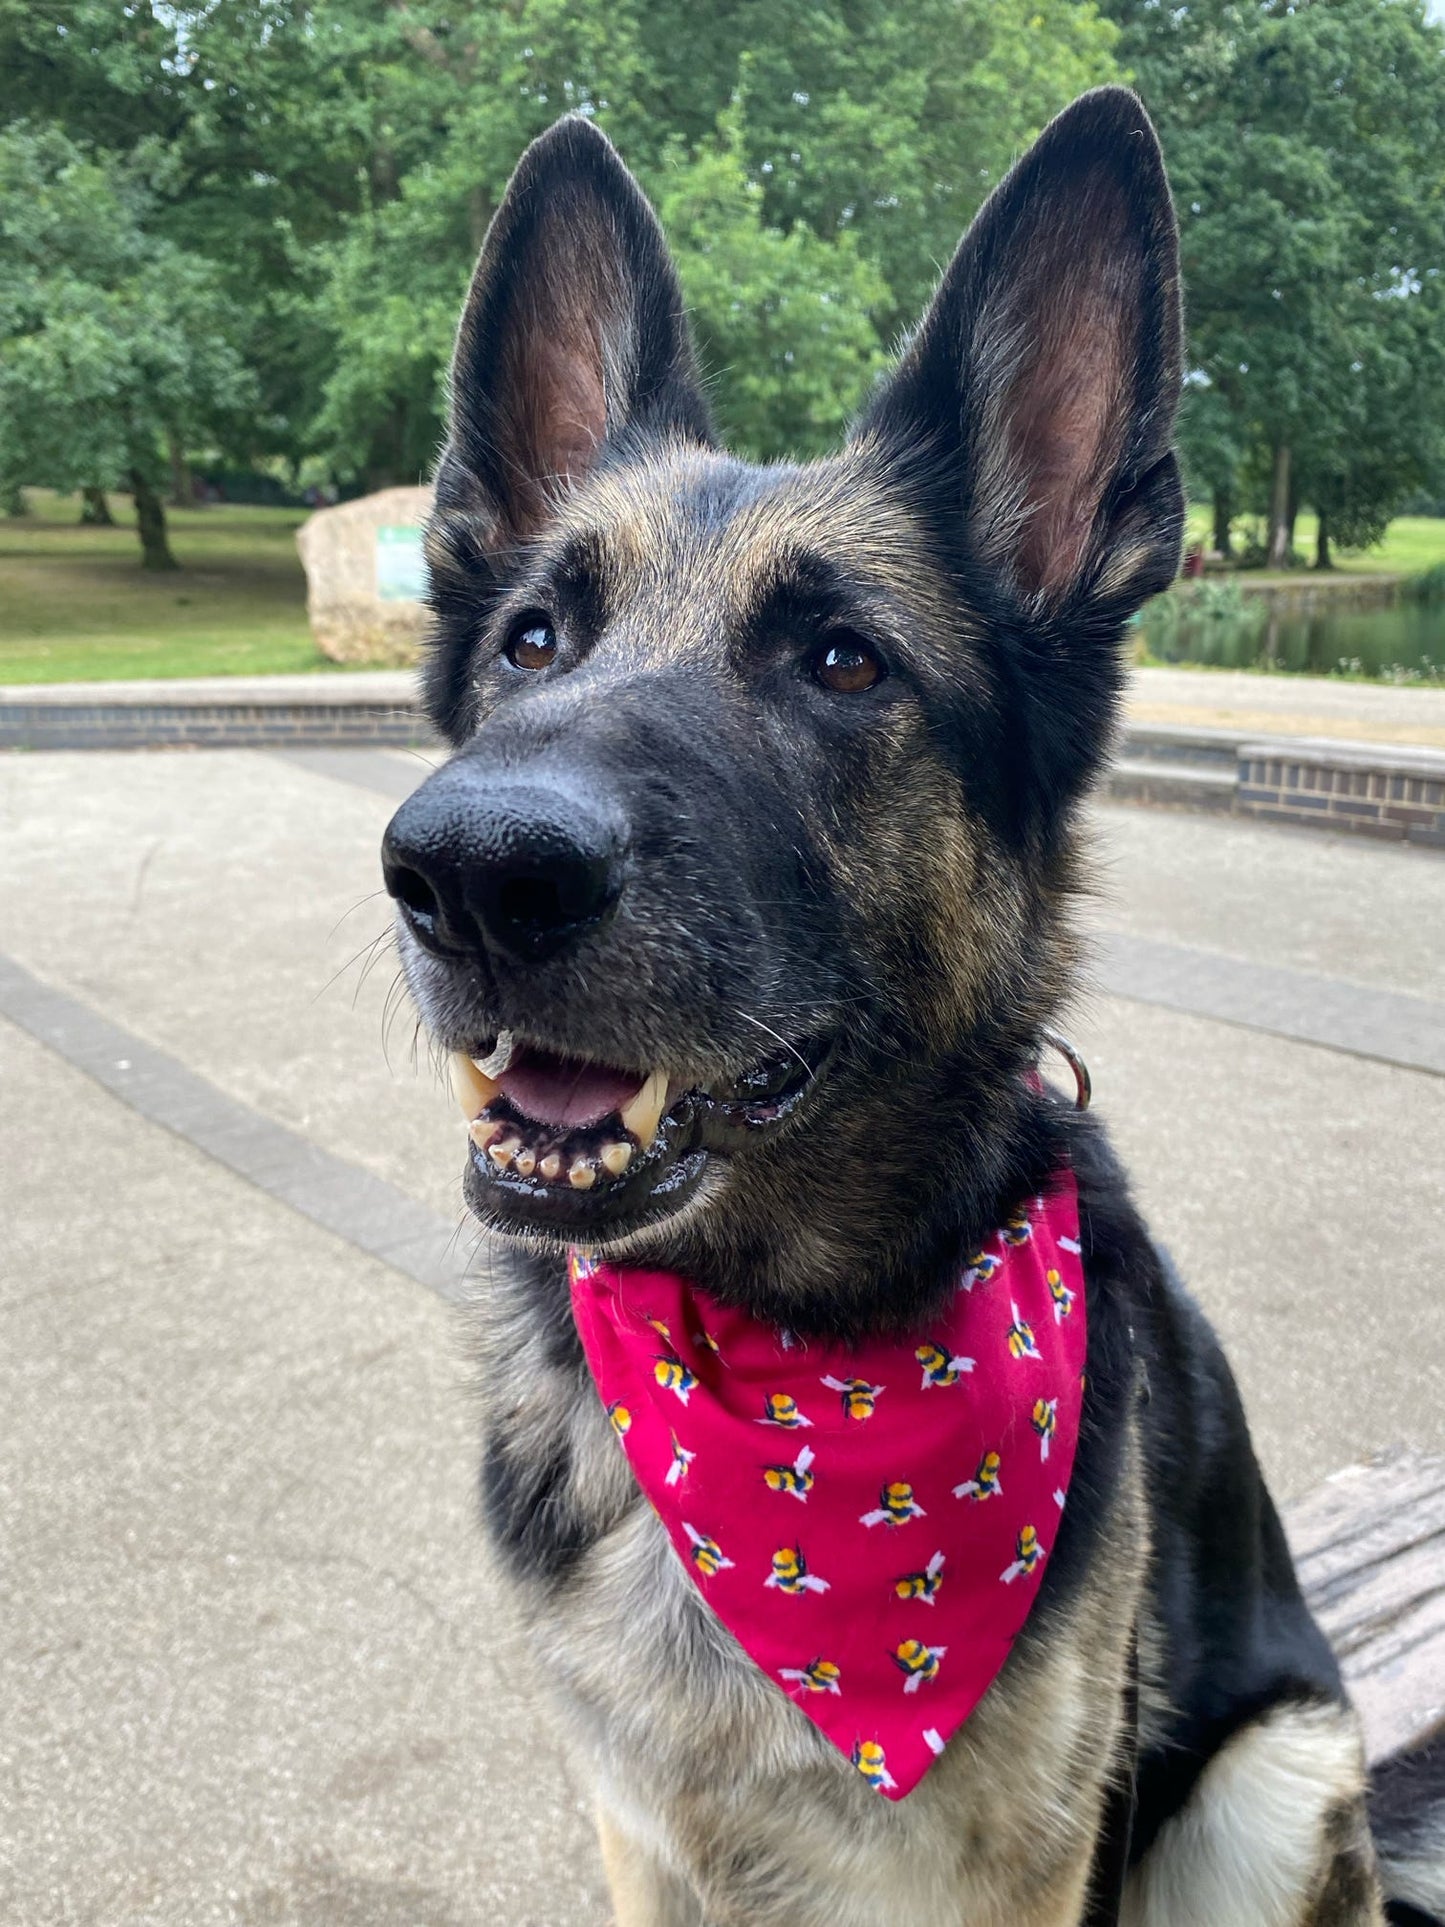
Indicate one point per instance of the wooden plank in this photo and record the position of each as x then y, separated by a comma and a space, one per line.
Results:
1370, 1547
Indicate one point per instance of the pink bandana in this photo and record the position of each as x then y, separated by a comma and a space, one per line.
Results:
872, 1524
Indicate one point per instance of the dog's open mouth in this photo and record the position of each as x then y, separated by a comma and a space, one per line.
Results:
571, 1146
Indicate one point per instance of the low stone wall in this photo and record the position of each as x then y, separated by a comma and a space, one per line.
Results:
1371, 789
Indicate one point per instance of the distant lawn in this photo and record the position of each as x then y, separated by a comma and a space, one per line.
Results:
76, 606
1412, 543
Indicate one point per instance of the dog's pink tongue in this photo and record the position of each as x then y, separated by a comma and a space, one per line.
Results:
566, 1091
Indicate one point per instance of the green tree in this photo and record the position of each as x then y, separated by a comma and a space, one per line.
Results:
1306, 143
113, 343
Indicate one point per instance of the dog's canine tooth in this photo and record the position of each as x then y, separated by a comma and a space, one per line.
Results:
582, 1175
616, 1156
640, 1114
502, 1154
525, 1162
472, 1088
501, 1056
484, 1130
551, 1166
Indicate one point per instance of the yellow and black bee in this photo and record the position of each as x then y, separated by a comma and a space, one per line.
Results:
1021, 1341
790, 1572
979, 1269
918, 1661
681, 1460
1018, 1230
707, 1554
924, 1585
673, 1376
1028, 1553
896, 1506
794, 1479
985, 1482
858, 1396
1045, 1421
662, 1328
818, 1676
581, 1266
939, 1368
868, 1757
621, 1419
707, 1339
780, 1409
1060, 1293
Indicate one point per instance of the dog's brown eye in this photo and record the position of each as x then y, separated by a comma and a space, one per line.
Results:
847, 666
534, 647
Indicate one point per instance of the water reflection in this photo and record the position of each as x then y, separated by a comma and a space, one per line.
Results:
1404, 643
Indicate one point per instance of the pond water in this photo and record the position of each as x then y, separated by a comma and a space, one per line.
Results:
1405, 643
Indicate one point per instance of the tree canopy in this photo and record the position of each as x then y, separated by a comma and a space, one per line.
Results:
247, 227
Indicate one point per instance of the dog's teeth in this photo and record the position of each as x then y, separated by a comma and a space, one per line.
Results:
616, 1157
582, 1175
525, 1163
472, 1088
500, 1058
551, 1166
484, 1130
641, 1115
502, 1154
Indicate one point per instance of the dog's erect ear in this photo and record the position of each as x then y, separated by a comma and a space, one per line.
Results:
573, 334
1041, 386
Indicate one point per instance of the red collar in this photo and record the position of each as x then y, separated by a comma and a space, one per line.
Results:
872, 1524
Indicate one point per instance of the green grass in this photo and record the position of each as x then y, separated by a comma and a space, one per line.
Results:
75, 604
1412, 543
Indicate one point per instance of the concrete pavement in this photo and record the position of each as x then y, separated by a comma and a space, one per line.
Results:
253, 1668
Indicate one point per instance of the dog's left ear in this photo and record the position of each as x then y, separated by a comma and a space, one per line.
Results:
1035, 404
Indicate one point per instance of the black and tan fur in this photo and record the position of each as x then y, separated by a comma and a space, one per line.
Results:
882, 881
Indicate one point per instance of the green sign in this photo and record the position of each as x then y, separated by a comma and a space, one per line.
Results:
400, 565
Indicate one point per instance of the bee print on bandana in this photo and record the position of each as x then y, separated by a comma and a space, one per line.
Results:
924, 1585
1045, 1421
780, 1409
681, 1460
707, 1554
1018, 1230
868, 1757
794, 1479
620, 1420
858, 1396
896, 1506
985, 1482
818, 1676
938, 1367
673, 1376
1063, 1298
1029, 1553
918, 1661
790, 1573
983, 1266
1021, 1337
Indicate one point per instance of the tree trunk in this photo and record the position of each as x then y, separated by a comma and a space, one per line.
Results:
183, 489
1279, 522
1322, 543
14, 499
95, 510
150, 521
1223, 516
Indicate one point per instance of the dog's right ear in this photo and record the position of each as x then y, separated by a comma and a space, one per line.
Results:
573, 336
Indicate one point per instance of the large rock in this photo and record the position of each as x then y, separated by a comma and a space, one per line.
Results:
365, 577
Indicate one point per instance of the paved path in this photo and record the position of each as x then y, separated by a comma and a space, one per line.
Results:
1289, 705
252, 1666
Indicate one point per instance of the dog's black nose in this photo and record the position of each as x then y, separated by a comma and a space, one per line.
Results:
519, 867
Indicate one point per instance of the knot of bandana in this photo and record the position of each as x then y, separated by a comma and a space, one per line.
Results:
871, 1523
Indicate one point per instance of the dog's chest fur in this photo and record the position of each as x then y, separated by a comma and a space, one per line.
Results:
691, 1752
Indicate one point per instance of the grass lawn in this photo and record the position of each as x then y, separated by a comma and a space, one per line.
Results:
75, 604
1412, 543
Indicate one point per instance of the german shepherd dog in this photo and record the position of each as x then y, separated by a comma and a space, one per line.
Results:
757, 847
